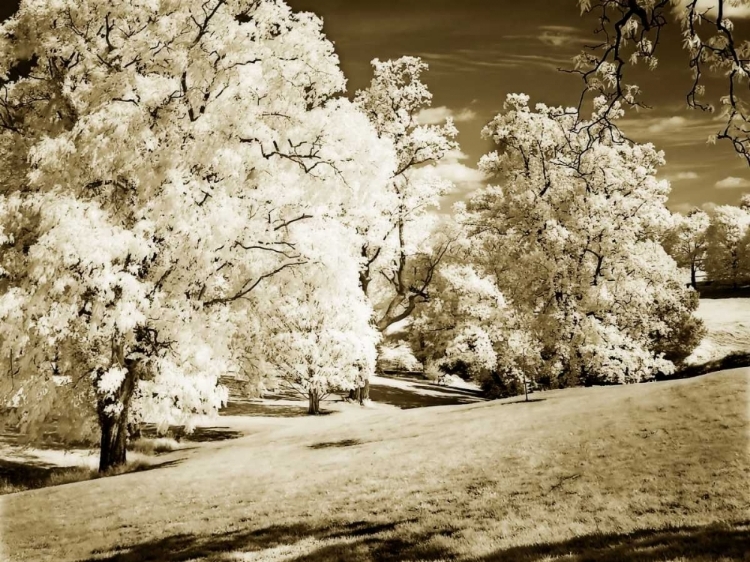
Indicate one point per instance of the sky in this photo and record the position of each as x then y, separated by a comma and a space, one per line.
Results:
481, 50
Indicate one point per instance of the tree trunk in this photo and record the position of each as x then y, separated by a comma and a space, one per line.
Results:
692, 276
113, 415
526, 388
113, 448
364, 393
313, 398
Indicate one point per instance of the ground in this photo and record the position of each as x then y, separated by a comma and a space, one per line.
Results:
647, 472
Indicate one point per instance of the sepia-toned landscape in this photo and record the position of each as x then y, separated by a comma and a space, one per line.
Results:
312, 280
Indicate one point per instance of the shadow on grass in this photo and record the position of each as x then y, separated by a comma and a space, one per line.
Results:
390, 541
199, 434
31, 475
735, 360
359, 540
263, 410
334, 444
713, 290
450, 390
723, 541
407, 399
522, 401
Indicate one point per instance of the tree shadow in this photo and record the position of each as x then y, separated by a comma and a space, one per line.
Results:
522, 401
390, 541
342, 537
49, 439
735, 360
408, 399
199, 434
450, 390
32, 474
334, 444
725, 541
27, 473
259, 409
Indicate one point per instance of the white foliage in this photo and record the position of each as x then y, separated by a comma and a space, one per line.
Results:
570, 236
160, 169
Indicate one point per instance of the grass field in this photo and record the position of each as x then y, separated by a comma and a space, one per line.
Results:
648, 472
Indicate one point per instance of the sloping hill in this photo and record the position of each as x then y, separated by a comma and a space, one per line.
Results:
648, 472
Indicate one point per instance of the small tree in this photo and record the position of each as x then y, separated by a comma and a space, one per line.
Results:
399, 255
321, 339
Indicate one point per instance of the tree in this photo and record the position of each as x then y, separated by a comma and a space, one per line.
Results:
570, 238
157, 163
686, 241
321, 338
400, 255
630, 31
728, 258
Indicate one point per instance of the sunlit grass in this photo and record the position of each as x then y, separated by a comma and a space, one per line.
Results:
647, 472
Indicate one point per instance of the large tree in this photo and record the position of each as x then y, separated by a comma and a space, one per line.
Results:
570, 236
158, 160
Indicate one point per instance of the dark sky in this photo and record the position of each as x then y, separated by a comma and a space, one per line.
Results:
480, 50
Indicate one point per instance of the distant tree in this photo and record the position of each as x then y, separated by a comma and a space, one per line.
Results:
157, 162
686, 241
728, 258
398, 356
570, 238
631, 31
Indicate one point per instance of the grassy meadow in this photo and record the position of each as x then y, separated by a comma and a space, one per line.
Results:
648, 472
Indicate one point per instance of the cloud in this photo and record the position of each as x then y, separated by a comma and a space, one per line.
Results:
465, 179
667, 124
474, 60
670, 131
738, 9
437, 115
732, 182
561, 36
451, 168
682, 208
684, 176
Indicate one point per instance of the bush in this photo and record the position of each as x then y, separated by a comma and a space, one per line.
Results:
494, 385
154, 446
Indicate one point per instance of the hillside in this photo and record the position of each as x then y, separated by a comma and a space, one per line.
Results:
648, 472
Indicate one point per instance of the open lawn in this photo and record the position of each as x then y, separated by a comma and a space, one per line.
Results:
647, 472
